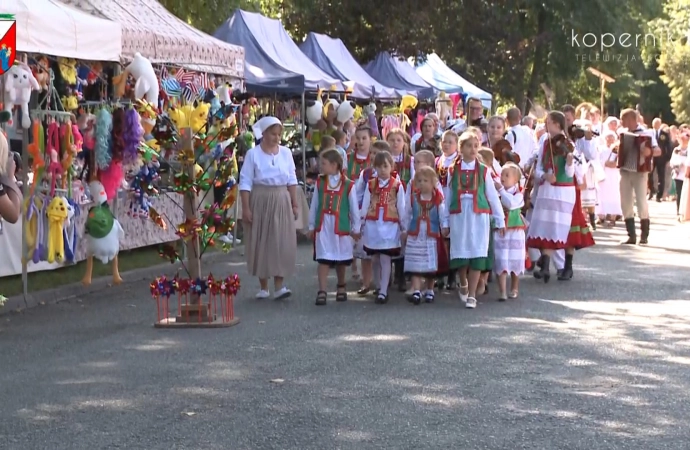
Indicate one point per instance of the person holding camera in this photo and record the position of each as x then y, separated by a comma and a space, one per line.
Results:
10, 194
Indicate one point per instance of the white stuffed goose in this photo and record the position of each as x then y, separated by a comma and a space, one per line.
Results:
103, 234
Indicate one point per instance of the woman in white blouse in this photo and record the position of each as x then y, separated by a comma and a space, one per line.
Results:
268, 185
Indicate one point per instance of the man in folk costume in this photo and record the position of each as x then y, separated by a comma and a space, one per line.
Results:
634, 172
663, 139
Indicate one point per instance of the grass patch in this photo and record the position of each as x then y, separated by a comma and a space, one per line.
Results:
50, 279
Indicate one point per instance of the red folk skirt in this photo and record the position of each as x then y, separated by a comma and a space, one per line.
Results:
580, 235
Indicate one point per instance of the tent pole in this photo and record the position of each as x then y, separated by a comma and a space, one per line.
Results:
303, 115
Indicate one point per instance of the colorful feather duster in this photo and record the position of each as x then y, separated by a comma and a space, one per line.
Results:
133, 135
104, 129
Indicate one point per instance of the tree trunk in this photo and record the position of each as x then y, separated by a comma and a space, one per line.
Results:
538, 61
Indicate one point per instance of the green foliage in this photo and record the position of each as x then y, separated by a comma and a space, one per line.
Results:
674, 57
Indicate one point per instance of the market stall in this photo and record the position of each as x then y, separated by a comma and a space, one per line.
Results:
435, 72
272, 53
390, 71
154, 32
51, 27
331, 56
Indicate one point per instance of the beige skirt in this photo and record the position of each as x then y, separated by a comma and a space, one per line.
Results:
271, 239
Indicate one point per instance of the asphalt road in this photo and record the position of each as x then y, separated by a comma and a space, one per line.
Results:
601, 362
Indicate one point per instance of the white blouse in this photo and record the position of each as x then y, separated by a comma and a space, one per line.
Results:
267, 170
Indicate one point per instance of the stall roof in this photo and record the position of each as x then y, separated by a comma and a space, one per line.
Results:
261, 73
398, 74
150, 29
331, 56
435, 72
52, 28
270, 43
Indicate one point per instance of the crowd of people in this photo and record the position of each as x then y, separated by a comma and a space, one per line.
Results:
460, 202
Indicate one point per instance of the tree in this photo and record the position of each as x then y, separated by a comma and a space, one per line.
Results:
674, 55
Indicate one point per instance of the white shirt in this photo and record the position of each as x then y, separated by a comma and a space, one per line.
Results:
679, 163
267, 170
522, 141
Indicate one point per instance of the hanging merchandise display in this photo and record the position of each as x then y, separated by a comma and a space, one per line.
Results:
19, 82
146, 86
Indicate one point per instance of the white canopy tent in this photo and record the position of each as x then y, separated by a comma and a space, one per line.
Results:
51, 27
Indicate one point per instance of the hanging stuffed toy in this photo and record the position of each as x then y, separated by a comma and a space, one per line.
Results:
70, 231
19, 82
57, 214
346, 111
103, 233
146, 86
370, 112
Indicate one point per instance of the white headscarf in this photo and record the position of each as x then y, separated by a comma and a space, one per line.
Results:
263, 124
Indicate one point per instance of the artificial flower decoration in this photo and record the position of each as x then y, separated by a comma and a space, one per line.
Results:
157, 218
169, 252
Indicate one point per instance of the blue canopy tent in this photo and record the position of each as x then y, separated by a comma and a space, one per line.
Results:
273, 62
331, 56
435, 72
390, 71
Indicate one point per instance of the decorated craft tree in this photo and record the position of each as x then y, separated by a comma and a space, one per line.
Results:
199, 141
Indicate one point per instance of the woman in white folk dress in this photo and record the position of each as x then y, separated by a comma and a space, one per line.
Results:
270, 207
609, 189
553, 206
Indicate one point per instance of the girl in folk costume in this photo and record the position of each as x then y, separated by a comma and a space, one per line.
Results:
426, 159
555, 199
679, 165
496, 131
448, 158
471, 202
334, 220
369, 272
383, 209
400, 150
357, 162
486, 157
398, 141
428, 221
609, 206
509, 247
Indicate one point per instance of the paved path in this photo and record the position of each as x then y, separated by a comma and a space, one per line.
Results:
602, 362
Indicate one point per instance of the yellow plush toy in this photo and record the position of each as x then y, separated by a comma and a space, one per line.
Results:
68, 69
199, 116
57, 214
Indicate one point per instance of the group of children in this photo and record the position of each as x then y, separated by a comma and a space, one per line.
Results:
428, 217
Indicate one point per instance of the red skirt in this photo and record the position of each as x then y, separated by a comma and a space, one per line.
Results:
443, 249
580, 235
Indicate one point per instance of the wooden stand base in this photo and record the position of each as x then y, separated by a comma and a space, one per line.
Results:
215, 323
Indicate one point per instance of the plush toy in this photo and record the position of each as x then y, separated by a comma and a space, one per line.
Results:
69, 231
370, 112
199, 116
103, 233
19, 82
181, 116
41, 72
315, 109
346, 111
57, 214
146, 86
68, 69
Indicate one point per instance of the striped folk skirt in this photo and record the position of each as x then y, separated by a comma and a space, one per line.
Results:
271, 239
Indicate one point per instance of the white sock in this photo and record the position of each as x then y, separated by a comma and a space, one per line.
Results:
385, 278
